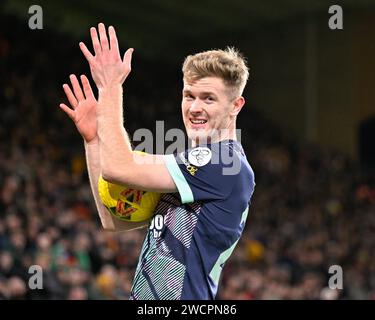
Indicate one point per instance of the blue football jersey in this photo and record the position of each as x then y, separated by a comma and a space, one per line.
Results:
193, 232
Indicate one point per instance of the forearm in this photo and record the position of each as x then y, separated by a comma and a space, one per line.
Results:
115, 146
109, 222
119, 164
93, 168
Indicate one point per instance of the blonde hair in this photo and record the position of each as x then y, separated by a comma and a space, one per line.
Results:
228, 64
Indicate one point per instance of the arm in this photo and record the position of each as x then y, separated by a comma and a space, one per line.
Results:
83, 114
109, 72
93, 167
143, 172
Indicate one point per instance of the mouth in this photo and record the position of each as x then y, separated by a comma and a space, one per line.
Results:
198, 121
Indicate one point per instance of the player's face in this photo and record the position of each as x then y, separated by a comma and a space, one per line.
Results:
207, 110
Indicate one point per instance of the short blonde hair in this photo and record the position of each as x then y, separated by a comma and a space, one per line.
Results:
229, 65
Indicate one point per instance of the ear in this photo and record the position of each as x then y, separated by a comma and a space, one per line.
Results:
237, 105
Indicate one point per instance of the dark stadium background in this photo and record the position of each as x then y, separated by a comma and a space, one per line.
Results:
308, 129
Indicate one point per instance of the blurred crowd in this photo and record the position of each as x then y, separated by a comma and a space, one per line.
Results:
311, 209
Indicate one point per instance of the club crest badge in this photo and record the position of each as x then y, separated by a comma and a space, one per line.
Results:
200, 156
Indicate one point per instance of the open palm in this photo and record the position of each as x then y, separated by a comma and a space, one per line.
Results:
107, 67
83, 107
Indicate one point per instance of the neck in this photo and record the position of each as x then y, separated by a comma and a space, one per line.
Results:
216, 136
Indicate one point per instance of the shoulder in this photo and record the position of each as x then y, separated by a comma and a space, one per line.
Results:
210, 172
225, 158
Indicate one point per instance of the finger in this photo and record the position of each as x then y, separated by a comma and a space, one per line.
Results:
89, 57
95, 41
128, 59
67, 110
69, 94
87, 87
103, 37
113, 40
76, 88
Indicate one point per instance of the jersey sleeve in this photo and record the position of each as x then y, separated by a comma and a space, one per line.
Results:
201, 174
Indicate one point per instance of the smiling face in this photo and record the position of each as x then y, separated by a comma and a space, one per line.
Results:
209, 112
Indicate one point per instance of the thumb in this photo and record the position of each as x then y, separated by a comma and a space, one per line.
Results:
128, 59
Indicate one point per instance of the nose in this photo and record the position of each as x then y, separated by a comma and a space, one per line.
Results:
196, 106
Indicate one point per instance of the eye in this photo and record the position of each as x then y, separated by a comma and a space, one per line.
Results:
210, 99
189, 97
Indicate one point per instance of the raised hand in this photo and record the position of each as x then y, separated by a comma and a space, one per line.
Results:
107, 67
83, 107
